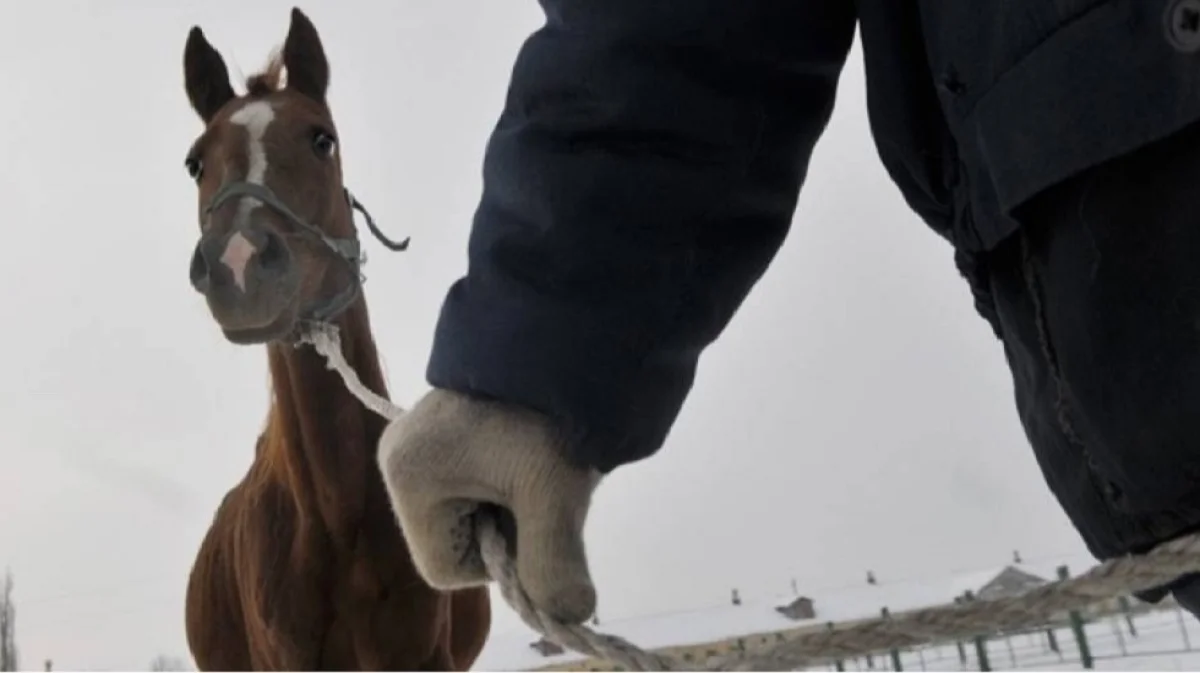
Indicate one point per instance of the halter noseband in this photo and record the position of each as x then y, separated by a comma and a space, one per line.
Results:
347, 249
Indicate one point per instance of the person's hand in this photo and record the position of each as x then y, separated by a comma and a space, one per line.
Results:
453, 454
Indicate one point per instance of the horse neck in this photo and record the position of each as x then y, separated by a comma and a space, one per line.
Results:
322, 437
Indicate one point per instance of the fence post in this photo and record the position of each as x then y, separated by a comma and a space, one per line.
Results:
982, 653
1187, 642
1116, 627
1052, 641
1127, 610
980, 641
896, 665
1077, 627
838, 664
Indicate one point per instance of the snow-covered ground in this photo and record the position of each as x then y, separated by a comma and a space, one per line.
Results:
1166, 641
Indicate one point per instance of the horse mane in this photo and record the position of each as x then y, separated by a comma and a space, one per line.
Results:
269, 79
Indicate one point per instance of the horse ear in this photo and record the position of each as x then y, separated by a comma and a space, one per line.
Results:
304, 58
205, 76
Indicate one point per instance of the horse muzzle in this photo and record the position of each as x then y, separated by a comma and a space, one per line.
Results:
248, 275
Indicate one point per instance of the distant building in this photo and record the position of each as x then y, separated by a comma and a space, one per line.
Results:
1011, 581
799, 609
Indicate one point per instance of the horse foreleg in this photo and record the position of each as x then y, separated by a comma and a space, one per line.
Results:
216, 631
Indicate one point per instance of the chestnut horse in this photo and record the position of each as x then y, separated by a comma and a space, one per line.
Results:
304, 566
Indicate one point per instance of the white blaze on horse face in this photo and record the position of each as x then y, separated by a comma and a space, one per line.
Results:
255, 117
237, 254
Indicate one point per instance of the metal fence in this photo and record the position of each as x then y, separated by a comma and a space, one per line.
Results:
1164, 639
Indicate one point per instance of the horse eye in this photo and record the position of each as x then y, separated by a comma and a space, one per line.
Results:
324, 144
194, 167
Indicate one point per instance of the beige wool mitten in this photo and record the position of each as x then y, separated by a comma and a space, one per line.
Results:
453, 453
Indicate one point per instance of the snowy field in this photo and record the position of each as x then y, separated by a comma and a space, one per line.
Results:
1168, 640
1165, 640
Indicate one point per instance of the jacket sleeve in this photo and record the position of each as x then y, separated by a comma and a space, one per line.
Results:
642, 175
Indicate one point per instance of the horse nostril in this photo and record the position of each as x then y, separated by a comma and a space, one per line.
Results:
273, 256
199, 271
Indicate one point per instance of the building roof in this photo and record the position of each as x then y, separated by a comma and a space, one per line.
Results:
513, 650
1011, 581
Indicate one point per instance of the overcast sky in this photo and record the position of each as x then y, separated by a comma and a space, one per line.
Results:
857, 414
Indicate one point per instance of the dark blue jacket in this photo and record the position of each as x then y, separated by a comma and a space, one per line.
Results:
649, 157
